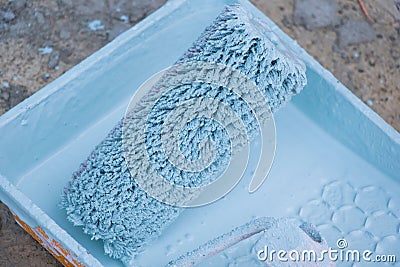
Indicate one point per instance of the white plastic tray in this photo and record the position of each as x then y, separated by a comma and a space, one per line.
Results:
337, 163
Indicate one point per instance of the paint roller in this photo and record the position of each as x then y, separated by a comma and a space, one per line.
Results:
103, 196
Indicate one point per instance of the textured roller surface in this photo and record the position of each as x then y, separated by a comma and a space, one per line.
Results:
240, 41
103, 197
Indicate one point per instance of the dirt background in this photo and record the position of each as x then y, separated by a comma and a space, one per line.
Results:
40, 40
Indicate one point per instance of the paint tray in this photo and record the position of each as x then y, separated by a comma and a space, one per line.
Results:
337, 163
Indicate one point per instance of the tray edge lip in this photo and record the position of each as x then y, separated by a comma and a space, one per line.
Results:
21, 201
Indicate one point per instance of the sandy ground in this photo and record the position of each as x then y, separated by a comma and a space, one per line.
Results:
40, 40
